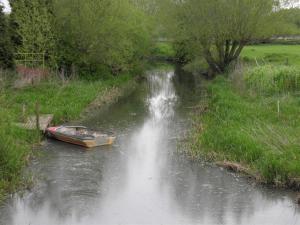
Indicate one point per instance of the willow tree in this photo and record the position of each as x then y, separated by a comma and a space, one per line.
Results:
219, 29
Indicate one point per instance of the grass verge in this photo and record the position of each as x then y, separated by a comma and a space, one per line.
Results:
257, 131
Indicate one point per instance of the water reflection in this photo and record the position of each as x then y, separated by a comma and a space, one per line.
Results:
142, 179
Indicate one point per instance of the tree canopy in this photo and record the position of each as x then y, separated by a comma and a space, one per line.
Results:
218, 29
115, 35
89, 35
32, 27
112, 33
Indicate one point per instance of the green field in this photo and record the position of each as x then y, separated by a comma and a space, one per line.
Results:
277, 54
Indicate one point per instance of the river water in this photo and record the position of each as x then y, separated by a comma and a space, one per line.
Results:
143, 178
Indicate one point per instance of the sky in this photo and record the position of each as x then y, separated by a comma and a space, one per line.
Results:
6, 5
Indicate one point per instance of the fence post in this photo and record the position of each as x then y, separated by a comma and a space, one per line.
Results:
278, 108
24, 113
37, 114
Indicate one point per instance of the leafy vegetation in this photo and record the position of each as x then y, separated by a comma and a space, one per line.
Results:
89, 37
290, 21
249, 130
34, 30
257, 127
101, 35
218, 31
163, 50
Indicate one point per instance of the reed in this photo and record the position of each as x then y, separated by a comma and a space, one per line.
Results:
270, 79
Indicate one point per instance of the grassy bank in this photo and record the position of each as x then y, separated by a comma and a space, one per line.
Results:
275, 54
66, 101
257, 126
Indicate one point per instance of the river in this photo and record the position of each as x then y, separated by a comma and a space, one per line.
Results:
143, 178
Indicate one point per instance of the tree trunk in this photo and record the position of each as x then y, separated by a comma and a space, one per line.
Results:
211, 61
228, 52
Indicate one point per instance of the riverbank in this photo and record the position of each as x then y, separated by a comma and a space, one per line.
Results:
252, 124
65, 100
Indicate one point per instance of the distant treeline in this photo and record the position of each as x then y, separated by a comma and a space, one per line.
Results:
91, 37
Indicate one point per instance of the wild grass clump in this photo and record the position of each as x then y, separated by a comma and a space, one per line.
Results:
272, 79
249, 130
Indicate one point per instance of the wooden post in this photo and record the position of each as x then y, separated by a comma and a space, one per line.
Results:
37, 114
24, 113
278, 108
43, 55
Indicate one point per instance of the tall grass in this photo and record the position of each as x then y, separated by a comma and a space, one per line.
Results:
272, 79
14, 150
248, 129
253, 117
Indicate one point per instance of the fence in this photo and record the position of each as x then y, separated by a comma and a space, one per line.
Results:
30, 59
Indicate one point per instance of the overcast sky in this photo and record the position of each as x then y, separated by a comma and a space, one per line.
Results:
6, 5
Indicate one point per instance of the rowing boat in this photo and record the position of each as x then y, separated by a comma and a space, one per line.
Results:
80, 135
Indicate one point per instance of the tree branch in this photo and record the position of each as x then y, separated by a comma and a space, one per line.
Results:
234, 46
238, 50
